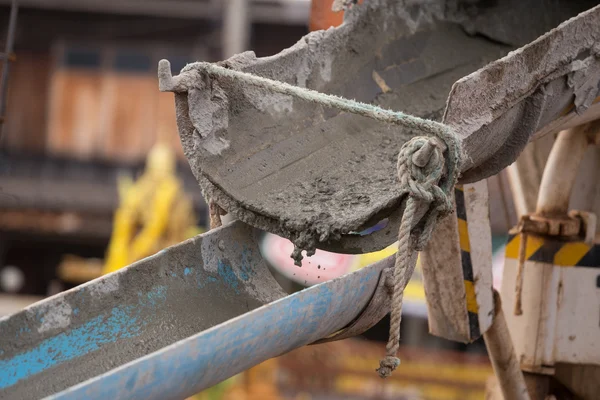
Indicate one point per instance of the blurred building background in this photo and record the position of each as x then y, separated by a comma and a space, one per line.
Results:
84, 108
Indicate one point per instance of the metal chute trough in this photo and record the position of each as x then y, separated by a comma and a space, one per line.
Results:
202, 311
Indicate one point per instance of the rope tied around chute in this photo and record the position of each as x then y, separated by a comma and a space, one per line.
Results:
428, 168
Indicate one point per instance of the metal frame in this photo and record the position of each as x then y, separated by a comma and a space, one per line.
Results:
549, 325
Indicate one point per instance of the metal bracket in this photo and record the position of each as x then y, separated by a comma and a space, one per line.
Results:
588, 225
576, 223
552, 226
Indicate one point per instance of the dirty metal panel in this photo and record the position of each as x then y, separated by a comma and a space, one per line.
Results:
457, 268
560, 301
578, 320
479, 234
171, 324
548, 85
443, 280
518, 22
202, 360
110, 321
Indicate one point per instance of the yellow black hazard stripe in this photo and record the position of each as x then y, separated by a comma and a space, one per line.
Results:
556, 252
467, 266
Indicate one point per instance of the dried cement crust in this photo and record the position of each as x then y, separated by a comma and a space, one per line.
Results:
314, 175
525, 91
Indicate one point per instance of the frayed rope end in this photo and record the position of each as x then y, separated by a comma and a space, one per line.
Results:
387, 365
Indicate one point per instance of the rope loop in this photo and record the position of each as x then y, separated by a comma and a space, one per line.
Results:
421, 165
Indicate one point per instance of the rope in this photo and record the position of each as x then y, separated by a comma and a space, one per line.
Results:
421, 165
520, 274
215, 212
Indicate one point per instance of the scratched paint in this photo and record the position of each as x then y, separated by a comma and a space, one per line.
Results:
57, 316
211, 356
120, 323
246, 267
154, 297
227, 275
141, 310
67, 346
109, 285
22, 330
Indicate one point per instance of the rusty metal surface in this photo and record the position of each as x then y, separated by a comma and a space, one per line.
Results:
171, 324
567, 226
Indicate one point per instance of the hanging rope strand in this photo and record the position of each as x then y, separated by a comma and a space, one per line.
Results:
420, 167
401, 276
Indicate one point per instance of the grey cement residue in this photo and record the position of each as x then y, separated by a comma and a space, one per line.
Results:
108, 285
210, 118
57, 316
273, 103
482, 104
191, 299
215, 145
514, 22
584, 80
210, 258
326, 174
314, 175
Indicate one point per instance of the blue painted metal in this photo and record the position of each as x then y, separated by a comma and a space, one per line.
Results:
172, 324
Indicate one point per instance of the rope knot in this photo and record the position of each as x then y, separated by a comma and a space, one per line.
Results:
421, 165
387, 365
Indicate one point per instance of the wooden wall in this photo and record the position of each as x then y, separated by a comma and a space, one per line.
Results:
105, 113
86, 113
27, 103
108, 116
111, 111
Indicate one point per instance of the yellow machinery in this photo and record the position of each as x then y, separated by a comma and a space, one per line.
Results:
154, 212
